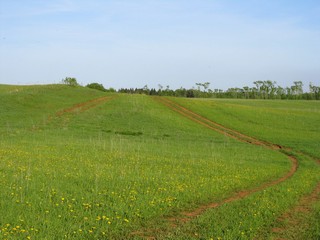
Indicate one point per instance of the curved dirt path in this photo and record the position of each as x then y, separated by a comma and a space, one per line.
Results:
188, 216
239, 195
295, 216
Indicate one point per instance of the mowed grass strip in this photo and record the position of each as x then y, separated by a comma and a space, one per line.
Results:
116, 168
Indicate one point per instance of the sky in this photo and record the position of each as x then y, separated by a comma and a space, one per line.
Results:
175, 43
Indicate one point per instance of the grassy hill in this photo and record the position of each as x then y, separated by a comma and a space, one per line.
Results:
77, 163
25, 106
292, 123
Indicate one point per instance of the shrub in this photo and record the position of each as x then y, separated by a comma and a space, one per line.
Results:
96, 86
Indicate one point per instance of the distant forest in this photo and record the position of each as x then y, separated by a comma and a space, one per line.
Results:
261, 90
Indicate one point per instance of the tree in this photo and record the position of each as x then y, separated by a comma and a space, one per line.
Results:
71, 81
146, 90
298, 87
111, 90
270, 88
280, 92
190, 93
206, 85
96, 86
160, 87
259, 87
199, 85
246, 91
153, 92
314, 91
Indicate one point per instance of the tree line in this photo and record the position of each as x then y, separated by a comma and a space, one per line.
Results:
260, 90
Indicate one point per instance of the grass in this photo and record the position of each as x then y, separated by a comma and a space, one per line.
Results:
127, 164
294, 124
289, 123
256, 216
24, 107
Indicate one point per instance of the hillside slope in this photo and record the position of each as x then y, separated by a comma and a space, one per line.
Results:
23, 107
82, 164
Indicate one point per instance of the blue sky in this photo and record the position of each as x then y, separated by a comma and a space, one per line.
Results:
129, 43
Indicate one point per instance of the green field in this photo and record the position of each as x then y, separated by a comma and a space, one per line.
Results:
76, 163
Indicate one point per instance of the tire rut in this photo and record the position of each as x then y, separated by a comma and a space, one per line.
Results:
185, 217
295, 216
80, 107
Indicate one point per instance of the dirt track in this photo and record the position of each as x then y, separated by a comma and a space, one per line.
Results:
305, 203
294, 216
216, 126
80, 107
187, 216
184, 217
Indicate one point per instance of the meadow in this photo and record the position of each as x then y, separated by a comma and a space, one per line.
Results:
76, 163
